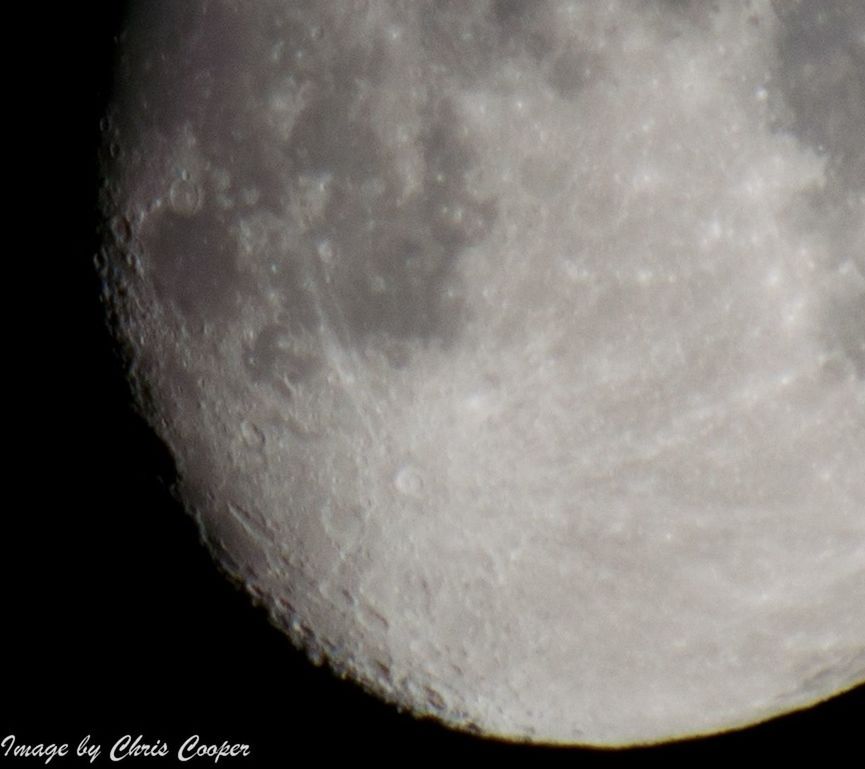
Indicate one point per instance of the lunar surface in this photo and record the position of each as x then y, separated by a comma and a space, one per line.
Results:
512, 354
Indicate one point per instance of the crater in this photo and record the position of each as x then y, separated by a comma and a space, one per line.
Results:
277, 358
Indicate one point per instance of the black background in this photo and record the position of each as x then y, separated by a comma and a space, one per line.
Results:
114, 620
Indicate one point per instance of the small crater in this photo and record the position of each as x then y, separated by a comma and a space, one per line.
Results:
373, 618
409, 481
121, 229
279, 359
434, 699
185, 196
383, 670
252, 434
472, 728
344, 523
309, 197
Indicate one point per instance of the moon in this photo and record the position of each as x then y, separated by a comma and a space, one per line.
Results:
512, 355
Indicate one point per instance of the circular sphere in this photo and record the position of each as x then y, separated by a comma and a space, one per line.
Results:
512, 354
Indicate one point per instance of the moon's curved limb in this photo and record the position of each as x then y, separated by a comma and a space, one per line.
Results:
513, 355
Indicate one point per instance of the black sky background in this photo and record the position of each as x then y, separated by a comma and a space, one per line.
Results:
114, 619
